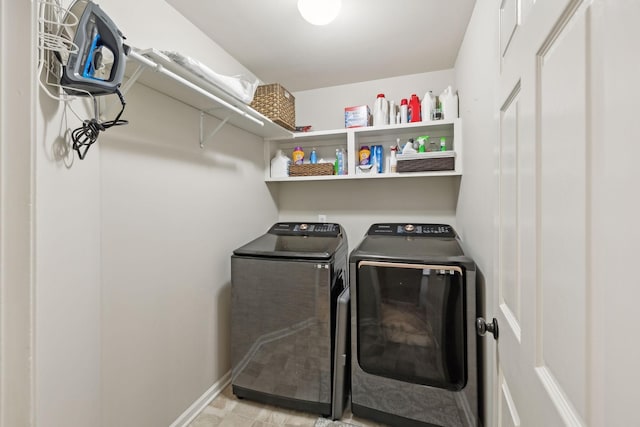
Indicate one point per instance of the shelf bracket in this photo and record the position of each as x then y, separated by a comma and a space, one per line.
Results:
203, 140
133, 78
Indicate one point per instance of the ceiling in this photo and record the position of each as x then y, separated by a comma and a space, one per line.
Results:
370, 39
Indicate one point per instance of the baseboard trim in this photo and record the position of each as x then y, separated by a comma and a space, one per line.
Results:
192, 412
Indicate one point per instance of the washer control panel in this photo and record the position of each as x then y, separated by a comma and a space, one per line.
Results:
421, 230
305, 229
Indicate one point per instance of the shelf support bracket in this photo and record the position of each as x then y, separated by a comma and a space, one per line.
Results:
132, 79
203, 140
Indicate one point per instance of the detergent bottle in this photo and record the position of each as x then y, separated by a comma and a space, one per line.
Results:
380, 111
298, 156
414, 108
449, 104
404, 111
428, 106
280, 165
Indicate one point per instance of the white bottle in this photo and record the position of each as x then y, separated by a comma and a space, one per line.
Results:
449, 103
380, 111
408, 148
280, 165
393, 160
428, 106
404, 111
392, 112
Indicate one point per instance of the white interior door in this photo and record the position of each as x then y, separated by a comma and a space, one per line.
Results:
547, 107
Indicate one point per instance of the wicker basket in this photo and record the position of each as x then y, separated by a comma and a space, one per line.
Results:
311, 169
426, 162
276, 103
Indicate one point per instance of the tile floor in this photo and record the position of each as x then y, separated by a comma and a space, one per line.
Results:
226, 410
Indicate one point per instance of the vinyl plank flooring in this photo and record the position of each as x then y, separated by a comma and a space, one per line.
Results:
226, 410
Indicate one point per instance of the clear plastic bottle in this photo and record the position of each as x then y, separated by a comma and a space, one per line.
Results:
437, 113
393, 160
433, 146
313, 157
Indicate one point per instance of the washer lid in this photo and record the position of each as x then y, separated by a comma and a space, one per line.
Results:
411, 242
296, 240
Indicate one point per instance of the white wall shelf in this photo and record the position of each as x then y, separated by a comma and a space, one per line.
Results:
155, 70
325, 142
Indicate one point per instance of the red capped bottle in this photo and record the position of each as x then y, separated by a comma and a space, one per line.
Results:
414, 109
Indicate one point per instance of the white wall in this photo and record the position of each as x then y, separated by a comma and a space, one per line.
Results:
614, 350
356, 204
67, 272
16, 148
133, 243
171, 216
476, 74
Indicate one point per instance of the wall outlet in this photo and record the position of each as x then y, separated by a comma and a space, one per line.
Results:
322, 218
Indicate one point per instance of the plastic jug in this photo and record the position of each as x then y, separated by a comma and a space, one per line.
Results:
428, 106
404, 111
280, 165
449, 104
380, 111
414, 108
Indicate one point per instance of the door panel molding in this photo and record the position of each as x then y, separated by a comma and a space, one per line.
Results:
512, 321
509, 416
562, 197
563, 404
509, 22
561, 24
509, 255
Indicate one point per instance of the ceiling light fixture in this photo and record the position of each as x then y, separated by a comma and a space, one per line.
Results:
319, 12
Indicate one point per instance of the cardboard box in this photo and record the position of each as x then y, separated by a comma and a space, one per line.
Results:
356, 117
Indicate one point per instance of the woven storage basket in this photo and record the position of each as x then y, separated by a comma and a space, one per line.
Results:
424, 163
276, 103
311, 169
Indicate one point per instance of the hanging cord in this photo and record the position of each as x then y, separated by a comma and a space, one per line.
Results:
83, 137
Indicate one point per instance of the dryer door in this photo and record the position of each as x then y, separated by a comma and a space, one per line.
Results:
411, 323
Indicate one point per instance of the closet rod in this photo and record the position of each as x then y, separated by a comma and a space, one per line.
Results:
160, 69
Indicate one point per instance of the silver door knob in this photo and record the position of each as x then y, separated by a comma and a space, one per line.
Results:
482, 327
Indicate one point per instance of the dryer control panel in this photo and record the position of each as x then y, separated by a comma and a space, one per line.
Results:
421, 230
305, 229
